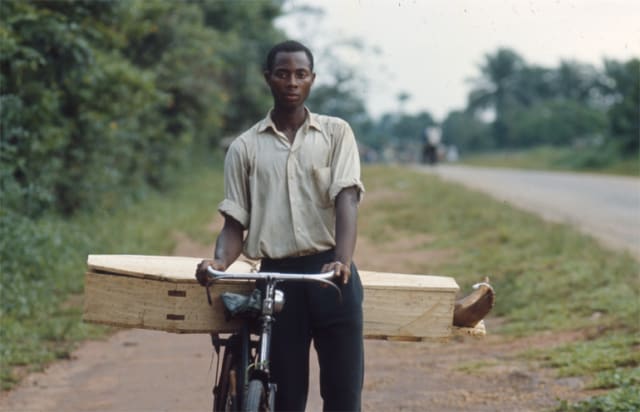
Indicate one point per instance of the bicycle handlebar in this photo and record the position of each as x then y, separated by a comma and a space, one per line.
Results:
275, 276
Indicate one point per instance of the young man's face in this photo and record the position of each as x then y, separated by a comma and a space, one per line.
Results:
290, 79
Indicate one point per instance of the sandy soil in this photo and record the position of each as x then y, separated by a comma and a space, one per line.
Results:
138, 370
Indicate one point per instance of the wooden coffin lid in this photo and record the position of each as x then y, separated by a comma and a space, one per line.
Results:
182, 269
168, 268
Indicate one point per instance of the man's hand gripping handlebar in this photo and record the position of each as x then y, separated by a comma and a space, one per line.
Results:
213, 275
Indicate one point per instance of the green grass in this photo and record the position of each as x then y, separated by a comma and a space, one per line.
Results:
559, 159
613, 353
41, 317
621, 399
548, 277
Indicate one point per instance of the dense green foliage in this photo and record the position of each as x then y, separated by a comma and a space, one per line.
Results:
104, 104
572, 105
102, 98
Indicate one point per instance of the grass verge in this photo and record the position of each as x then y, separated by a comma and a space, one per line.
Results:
548, 277
559, 159
44, 263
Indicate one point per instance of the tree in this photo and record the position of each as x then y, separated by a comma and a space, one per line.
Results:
467, 132
171, 40
577, 82
557, 122
72, 106
496, 89
408, 127
249, 32
102, 98
624, 115
403, 98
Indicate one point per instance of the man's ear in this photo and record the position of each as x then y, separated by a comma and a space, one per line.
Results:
266, 75
313, 77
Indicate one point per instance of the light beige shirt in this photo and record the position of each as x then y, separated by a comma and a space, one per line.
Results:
283, 193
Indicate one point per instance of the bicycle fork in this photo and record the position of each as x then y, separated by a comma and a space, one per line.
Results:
273, 302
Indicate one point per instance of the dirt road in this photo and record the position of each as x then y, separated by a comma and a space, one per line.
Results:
140, 371
137, 370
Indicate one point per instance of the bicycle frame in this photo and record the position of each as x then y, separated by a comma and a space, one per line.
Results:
259, 370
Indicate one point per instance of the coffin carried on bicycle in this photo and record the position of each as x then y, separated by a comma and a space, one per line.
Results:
161, 292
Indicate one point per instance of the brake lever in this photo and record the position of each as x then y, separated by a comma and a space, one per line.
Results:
209, 283
333, 285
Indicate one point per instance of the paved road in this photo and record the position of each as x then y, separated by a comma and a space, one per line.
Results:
606, 207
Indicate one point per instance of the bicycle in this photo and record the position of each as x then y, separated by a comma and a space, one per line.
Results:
244, 382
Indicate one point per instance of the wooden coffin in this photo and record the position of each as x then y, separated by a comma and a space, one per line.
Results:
160, 292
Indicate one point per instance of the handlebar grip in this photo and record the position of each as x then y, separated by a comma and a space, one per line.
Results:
214, 272
323, 278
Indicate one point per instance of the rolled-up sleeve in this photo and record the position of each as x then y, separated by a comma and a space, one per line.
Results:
236, 201
345, 163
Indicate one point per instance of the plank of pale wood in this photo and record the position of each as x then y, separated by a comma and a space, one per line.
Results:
146, 303
169, 268
126, 301
160, 292
181, 269
398, 312
387, 280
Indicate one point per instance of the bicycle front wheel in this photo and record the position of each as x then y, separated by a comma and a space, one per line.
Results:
256, 397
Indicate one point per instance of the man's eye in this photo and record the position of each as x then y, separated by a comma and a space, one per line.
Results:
281, 75
302, 75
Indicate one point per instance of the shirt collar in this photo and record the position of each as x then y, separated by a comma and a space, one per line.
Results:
310, 121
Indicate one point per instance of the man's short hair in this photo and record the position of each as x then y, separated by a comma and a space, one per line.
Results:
289, 46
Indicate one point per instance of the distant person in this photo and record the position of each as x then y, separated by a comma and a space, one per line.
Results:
292, 183
432, 137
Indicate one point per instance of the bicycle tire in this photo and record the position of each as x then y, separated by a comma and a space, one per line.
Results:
225, 396
256, 397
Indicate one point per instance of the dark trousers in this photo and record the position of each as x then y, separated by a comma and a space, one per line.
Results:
312, 312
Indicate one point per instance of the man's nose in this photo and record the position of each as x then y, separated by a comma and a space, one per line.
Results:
292, 81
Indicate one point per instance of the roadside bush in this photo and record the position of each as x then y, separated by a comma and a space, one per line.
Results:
76, 115
100, 99
590, 158
34, 254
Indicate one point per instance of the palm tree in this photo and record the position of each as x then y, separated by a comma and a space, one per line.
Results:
497, 88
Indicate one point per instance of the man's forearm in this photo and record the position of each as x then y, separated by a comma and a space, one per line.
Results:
229, 242
346, 224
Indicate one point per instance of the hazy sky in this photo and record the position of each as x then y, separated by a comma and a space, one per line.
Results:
429, 48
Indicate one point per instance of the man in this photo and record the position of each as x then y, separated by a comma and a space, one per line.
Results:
292, 182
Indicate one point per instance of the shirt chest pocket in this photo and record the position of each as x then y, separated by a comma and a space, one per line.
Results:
322, 182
